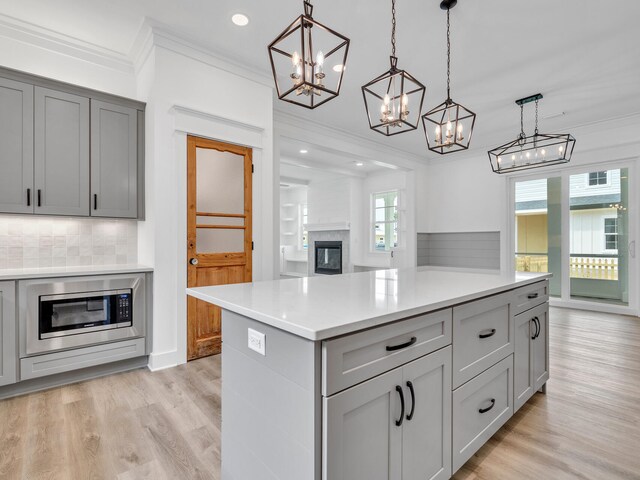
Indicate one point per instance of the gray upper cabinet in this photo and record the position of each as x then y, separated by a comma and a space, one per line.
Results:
8, 351
68, 150
16, 146
114, 151
61, 153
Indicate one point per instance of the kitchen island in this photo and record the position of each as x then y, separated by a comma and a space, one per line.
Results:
389, 374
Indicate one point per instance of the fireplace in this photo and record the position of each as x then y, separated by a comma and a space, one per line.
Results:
328, 258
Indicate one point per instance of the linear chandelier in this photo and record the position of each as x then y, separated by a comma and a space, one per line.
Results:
533, 151
308, 61
387, 97
449, 126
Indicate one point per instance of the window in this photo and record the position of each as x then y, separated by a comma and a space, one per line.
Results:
611, 233
597, 178
385, 221
303, 226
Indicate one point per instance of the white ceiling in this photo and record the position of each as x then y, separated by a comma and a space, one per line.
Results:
581, 54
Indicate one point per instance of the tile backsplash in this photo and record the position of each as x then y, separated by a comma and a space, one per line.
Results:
29, 242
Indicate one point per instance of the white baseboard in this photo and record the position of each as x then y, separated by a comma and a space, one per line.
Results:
162, 360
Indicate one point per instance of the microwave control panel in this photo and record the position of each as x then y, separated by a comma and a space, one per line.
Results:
124, 307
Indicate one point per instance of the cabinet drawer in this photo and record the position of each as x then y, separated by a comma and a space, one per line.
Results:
482, 336
355, 358
65, 361
480, 408
530, 296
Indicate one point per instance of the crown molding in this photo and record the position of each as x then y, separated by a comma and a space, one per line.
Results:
44, 38
296, 127
156, 34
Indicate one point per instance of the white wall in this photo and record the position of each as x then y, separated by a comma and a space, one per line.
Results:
90, 68
213, 103
462, 194
328, 200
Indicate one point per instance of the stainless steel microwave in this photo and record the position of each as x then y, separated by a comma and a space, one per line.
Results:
77, 312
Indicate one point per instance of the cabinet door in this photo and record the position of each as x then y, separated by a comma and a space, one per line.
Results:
61, 153
360, 438
16, 147
426, 436
114, 160
540, 348
523, 359
8, 352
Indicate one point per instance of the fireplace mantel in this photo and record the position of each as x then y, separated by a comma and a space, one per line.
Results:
325, 227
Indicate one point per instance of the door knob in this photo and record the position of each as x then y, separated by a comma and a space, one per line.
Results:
193, 261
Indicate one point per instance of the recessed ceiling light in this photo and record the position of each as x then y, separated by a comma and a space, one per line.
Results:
338, 68
303, 151
359, 164
240, 20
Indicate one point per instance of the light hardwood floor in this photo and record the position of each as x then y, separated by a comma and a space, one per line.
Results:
166, 425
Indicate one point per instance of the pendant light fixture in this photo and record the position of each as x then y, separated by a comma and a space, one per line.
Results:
449, 126
537, 150
308, 61
393, 100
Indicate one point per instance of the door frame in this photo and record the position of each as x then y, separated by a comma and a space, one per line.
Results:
215, 259
564, 173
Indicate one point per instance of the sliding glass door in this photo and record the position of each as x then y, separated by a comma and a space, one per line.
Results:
578, 225
599, 236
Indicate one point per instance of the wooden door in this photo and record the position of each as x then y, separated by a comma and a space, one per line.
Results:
61, 153
16, 147
426, 433
218, 232
361, 438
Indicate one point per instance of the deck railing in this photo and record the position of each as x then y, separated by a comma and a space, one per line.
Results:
591, 266
599, 267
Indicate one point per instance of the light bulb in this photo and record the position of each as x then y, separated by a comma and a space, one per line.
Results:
544, 152
560, 149
405, 100
320, 59
386, 99
513, 157
499, 160
528, 154
295, 59
449, 125
459, 128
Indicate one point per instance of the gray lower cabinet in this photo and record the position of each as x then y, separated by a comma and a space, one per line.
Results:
8, 351
394, 426
61, 156
480, 407
531, 354
114, 161
541, 349
16, 146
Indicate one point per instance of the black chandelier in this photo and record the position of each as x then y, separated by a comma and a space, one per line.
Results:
388, 96
537, 150
449, 126
308, 61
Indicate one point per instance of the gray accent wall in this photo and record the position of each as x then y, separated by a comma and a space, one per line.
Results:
460, 250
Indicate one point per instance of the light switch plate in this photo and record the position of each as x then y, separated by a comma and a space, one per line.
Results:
257, 341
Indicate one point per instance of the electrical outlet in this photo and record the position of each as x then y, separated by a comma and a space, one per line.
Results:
257, 341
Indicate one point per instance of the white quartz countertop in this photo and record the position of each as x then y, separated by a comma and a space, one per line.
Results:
53, 272
323, 307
